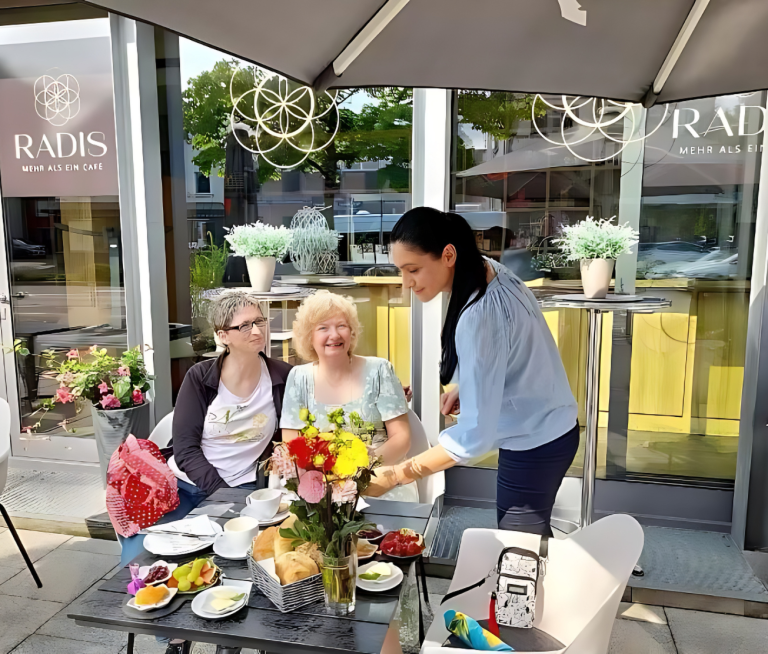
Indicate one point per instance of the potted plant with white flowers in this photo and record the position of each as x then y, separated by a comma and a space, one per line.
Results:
596, 244
261, 245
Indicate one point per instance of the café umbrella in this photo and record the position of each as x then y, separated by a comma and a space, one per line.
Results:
641, 51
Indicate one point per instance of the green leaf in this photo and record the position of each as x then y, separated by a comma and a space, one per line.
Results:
370, 576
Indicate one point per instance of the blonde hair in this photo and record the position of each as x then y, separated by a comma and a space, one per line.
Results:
314, 310
225, 306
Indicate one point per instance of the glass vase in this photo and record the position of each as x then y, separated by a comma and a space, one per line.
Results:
340, 581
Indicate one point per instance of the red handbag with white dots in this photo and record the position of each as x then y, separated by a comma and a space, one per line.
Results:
141, 488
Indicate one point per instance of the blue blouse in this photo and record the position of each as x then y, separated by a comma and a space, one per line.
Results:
513, 389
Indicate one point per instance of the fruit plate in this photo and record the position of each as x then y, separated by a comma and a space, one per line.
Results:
201, 604
409, 557
196, 589
144, 571
159, 605
379, 586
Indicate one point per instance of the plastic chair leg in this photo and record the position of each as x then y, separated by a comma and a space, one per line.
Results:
129, 647
20, 545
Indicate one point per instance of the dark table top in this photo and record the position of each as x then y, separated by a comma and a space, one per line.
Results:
262, 626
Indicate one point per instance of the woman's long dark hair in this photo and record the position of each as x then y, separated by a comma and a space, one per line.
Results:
429, 231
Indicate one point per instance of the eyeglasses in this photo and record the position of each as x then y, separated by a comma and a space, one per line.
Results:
247, 327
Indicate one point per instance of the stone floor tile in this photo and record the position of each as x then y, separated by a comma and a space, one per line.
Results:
65, 574
63, 627
37, 644
632, 637
145, 645
437, 585
21, 617
94, 545
642, 612
37, 544
7, 573
696, 632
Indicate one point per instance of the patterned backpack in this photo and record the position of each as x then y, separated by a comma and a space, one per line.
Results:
141, 488
518, 572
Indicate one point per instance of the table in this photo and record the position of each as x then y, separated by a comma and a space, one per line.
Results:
262, 626
595, 310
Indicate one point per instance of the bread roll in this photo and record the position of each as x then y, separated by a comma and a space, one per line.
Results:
284, 545
312, 551
264, 544
294, 566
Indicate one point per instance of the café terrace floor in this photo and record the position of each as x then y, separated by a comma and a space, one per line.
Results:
49, 509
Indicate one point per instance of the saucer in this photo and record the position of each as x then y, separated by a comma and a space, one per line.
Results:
279, 517
224, 553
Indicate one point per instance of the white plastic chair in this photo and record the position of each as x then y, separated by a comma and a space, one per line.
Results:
433, 486
579, 595
161, 434
5, 453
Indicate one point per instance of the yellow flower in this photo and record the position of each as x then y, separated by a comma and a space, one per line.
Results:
326, 436
347, 436
319, 460
359, 453
310, 432
303, 414
345, 465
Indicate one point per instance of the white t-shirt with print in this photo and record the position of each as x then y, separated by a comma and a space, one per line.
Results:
237, 430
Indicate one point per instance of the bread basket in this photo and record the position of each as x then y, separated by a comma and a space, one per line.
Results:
286, 598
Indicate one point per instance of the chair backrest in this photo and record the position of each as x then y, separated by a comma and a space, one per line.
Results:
432, 487
586, 574
161, 434
5, 442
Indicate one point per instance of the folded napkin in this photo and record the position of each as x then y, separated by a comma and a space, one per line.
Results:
472, 634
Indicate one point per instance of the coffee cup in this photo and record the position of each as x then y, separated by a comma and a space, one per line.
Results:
239, 533
263, 503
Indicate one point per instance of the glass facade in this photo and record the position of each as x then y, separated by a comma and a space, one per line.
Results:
691, 192
61, 214
352, 163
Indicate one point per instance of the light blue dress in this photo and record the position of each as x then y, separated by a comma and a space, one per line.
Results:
382, 399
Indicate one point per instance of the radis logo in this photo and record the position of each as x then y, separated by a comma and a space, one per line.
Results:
57, 99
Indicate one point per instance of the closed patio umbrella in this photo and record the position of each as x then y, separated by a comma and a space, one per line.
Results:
628, 50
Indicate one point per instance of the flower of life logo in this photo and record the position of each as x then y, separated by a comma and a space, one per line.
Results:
57, 99
281, 120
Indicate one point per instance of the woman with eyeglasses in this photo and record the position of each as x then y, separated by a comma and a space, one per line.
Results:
227, 411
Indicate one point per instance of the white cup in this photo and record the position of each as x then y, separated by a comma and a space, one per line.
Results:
239, 533
264, 503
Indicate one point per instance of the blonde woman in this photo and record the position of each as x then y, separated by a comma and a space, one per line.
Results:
325, 334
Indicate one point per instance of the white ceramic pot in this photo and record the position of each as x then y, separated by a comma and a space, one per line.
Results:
596, 277
261, 270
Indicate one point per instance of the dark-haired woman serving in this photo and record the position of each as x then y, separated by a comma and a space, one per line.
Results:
513, 392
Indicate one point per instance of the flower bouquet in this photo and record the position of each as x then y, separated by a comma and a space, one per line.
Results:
328, 471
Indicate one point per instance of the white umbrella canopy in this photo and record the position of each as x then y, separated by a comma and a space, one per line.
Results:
628, 50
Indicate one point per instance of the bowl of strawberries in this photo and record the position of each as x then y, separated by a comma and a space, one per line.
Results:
402, 544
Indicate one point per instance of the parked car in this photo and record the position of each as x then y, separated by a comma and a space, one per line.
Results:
23, 250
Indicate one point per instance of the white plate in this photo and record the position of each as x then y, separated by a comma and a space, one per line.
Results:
273, 521
379, 586
150, 607
144, 571
228, 554
202, 599
166, 545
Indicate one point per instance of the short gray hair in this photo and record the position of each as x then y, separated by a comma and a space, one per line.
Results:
225, 306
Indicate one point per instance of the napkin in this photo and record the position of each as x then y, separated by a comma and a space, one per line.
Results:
362, 505
199, 525
472, 634
214, 510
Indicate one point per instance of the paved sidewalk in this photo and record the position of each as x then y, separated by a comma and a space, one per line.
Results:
34, 620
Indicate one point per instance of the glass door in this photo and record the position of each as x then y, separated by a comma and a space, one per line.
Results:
61, 283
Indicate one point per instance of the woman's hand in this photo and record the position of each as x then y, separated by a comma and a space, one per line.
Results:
449, 402
384, 481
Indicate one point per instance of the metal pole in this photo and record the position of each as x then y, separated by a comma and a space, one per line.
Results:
594, 343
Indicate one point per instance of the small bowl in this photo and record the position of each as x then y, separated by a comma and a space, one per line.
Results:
371, 539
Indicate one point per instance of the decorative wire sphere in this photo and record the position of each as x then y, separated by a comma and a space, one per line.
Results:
314, 247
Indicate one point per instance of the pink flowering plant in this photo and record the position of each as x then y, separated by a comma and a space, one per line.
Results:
328, 471
107, 382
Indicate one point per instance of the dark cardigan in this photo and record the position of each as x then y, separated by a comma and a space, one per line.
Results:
198, 390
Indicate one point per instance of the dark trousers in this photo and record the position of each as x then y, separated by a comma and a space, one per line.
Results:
528, 482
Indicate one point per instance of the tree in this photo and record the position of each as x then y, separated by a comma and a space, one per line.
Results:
380, 131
